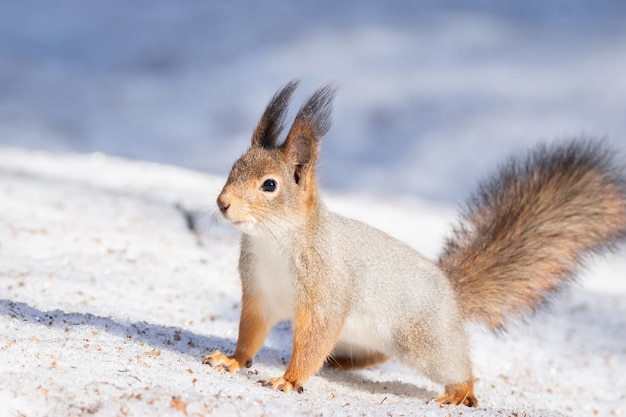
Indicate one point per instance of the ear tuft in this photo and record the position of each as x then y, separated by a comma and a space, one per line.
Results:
316, 113
310, 125
273, 120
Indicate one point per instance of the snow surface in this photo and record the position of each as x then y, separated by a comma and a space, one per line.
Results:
108, 301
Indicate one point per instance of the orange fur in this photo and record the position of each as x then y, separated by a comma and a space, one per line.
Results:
252, 333
357, 361
314, 336
526, 232
459, 394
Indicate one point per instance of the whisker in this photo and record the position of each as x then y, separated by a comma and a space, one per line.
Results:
268, 218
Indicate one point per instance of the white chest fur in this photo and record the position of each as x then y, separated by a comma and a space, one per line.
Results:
273, 280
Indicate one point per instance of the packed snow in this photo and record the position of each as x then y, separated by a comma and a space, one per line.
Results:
119, 121
110, 299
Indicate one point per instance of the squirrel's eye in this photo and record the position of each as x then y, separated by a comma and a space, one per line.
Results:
269, 186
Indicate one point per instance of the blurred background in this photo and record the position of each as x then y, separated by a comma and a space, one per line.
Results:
432, 94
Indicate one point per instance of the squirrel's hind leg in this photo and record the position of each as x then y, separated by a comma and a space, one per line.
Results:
439, 350
358, 359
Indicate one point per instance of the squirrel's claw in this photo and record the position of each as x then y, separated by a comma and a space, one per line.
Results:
218, 360
459, 394
448, 400
281, 384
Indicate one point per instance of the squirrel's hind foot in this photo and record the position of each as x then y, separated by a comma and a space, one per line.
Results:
459, 394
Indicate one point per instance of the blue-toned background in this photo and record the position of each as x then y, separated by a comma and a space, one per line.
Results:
432, 94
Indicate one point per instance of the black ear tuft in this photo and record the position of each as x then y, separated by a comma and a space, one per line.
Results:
311, 123
316, 113
272, 122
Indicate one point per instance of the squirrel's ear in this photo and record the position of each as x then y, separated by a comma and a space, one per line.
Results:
272, 121
310, 125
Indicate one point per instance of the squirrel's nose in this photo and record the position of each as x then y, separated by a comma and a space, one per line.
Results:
222, 204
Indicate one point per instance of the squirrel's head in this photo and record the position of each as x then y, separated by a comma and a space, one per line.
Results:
272, 187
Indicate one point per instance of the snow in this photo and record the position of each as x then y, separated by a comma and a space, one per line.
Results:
109, 301
119, 121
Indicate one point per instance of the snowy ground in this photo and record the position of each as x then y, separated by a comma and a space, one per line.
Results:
108, 300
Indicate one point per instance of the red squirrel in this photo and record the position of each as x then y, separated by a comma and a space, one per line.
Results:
357, 296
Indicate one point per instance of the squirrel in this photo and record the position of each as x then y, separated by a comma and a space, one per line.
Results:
357, 296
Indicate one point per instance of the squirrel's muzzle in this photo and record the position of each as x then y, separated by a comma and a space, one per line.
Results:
222, 203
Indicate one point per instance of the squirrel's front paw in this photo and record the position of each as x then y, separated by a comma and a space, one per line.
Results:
283, 385
218, 360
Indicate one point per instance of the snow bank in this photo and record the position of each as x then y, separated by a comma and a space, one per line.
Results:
115, 279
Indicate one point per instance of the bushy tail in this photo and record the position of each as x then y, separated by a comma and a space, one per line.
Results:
527, 230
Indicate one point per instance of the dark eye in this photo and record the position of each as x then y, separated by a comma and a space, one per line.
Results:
269, 186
